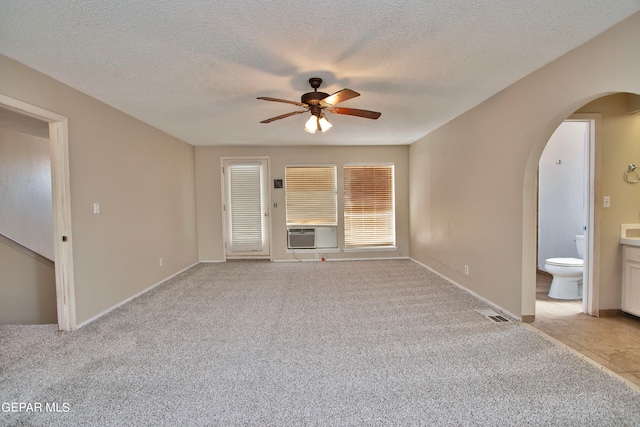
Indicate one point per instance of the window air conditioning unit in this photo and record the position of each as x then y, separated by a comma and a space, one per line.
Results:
301, 238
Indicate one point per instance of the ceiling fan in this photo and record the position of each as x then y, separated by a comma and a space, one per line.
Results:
317, 102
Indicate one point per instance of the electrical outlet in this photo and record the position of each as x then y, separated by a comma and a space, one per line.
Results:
161, 262
466, 270
317, 256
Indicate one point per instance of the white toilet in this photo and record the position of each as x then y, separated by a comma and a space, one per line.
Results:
567, 274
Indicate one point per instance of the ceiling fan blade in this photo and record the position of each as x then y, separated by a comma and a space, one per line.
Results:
355, 112
283, 116
339, 96
266, 98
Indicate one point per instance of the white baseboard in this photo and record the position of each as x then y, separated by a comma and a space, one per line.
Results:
480, 297
121, 303
339, 259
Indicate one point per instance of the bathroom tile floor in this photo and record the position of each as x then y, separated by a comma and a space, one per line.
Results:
613, 342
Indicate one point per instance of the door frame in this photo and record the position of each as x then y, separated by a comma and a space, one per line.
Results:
62, 236
591, 282
223, 193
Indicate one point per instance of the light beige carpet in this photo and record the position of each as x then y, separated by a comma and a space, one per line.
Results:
333, 343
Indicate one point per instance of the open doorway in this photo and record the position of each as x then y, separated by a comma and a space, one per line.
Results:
61, 207
27, 260
565, 219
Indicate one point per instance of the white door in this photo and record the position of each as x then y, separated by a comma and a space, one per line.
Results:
246, 208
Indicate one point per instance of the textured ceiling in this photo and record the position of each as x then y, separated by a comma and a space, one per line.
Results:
194, 68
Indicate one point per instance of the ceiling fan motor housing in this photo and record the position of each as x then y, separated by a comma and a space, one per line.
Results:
312, 99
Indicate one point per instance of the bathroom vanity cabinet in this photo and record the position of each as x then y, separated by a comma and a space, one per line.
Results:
631, 280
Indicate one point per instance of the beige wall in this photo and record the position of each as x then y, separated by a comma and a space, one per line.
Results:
25, 191
473, 181
471, 185
28, 286
618, 140
210, 223
143, 179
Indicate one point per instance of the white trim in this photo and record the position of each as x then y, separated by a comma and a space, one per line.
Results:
61, 201
248, 257
121, 303
311, 165
211, 261
223, 193
590, 300
313, 251
372, 249
480, 297
369, 164
341, 259
223, 205
31, 110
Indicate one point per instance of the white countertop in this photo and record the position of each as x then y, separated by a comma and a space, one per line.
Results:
630, 234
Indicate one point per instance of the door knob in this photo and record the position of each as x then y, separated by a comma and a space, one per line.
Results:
266, 214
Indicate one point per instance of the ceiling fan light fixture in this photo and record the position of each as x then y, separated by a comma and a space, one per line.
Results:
324, 124
311, 125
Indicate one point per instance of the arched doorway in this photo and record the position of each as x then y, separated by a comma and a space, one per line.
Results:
615, 147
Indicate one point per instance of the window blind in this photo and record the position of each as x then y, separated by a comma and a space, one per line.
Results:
311, 195
246, 209
369, 212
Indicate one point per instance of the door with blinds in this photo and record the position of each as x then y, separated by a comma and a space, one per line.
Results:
246, 208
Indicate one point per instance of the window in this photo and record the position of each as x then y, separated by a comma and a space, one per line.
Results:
369, 213
311, 195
